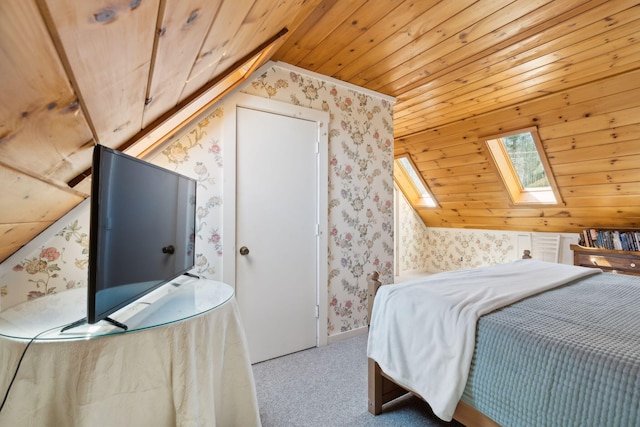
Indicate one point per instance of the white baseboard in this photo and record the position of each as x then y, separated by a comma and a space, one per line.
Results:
348, 334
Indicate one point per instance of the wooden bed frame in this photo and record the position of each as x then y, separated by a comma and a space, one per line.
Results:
383, 389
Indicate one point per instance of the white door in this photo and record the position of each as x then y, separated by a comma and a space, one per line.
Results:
276, 223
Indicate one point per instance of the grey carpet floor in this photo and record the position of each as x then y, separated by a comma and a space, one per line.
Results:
327, 387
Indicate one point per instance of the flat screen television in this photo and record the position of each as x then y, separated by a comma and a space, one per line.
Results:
141, 232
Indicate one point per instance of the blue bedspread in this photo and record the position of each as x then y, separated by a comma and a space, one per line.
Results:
567, 357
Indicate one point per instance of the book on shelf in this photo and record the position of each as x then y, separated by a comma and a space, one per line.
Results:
611, 239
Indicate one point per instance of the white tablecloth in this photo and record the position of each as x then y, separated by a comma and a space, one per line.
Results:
195, 372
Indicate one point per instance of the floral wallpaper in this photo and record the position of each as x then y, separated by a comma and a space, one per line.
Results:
198, 153
443, 249
413, 244
455, 249
60, 265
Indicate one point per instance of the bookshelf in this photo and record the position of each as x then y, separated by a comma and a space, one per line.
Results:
620, 240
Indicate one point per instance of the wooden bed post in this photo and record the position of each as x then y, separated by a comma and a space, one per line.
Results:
381, 389
374, 373
375, 388
374, 284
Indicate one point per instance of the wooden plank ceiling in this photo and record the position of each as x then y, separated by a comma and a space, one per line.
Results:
75, 73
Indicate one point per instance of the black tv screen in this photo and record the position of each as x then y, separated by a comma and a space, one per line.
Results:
141, 232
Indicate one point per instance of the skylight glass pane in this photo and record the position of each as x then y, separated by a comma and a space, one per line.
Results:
524, 156
417, 182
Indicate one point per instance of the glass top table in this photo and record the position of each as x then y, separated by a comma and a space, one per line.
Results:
43, 318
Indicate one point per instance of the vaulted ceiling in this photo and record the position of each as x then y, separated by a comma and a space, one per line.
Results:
128, 73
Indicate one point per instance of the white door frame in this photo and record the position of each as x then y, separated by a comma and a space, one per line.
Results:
321, 118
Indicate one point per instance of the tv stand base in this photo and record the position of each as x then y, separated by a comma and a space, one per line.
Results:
84, 320
74, 324
116, 323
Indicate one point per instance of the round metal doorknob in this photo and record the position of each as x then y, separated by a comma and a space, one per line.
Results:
244, 250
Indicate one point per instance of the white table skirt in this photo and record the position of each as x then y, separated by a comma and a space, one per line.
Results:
195, 372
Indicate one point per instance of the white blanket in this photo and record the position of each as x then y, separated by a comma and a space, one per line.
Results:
423, 331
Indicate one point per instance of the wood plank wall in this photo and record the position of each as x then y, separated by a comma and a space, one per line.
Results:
591, 134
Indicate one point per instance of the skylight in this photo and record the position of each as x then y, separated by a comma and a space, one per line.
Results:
411, 183
520, 160
525, 159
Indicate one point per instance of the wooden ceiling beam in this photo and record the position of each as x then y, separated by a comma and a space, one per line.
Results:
176, 118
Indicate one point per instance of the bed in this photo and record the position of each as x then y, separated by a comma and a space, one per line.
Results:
533, 343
